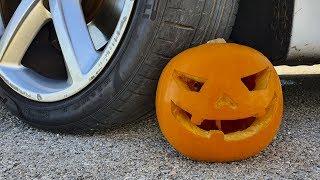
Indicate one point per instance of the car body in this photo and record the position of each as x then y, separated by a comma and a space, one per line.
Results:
285, 31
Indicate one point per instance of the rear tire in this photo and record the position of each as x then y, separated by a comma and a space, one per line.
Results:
125, 90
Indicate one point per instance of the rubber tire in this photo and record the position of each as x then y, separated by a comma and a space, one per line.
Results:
125, 91
266, 26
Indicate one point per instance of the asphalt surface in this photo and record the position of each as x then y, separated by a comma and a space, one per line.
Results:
140, 151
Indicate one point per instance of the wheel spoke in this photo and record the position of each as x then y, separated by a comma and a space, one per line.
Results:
74, 38
28, 19
85, 48
98, 38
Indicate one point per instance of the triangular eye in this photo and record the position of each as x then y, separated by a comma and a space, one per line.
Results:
188, 82
257, 81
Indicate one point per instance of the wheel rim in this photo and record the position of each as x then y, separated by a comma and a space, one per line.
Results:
79, 40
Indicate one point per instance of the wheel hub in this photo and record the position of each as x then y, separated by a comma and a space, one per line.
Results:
53, 49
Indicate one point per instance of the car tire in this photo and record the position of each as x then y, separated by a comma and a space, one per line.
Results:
125, 90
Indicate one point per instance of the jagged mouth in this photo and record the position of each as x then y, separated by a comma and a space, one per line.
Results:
227, 126
230, 129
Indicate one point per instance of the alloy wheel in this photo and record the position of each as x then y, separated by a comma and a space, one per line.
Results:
88, 33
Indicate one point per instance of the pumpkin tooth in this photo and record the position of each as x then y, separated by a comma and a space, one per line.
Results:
218, 124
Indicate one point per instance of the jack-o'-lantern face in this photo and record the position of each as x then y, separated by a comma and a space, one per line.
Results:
219, 102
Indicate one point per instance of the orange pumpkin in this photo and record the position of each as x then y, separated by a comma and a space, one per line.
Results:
219, 102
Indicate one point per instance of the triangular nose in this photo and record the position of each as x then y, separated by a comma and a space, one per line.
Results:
226, 101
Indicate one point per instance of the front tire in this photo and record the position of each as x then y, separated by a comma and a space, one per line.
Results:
125, 90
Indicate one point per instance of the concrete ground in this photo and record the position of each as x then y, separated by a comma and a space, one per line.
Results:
140, 151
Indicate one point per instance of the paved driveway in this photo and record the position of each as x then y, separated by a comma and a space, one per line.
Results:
139, 150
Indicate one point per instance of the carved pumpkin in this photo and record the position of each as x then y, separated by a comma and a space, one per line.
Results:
219, 102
